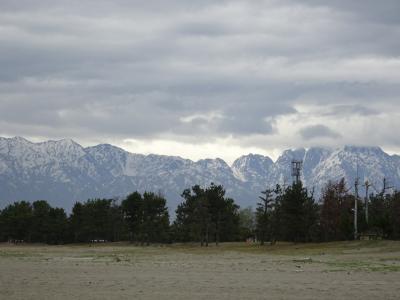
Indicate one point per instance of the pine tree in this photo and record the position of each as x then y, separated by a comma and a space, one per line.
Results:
299, 214
206, 214
264, 216
132, 209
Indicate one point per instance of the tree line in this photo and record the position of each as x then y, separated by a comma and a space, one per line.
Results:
206, 216
292, 214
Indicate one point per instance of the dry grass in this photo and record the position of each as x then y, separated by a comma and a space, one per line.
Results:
357, 270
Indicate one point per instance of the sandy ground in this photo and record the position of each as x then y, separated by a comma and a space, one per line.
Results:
357, 270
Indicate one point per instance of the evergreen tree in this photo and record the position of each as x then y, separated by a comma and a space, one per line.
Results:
155, 227
380, 214
40, 221
94, 220
77, 223
247, 223
185, 227
147, 217
58, 224
337, 213
119, 230
264, 216
132, 208
218, 208
206, 214
193, 216
333, 197
299, 214
395, 216
17, 221
229, 223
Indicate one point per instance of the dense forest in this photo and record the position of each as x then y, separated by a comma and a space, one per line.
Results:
206, 215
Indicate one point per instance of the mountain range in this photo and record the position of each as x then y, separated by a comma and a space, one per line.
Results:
64, 172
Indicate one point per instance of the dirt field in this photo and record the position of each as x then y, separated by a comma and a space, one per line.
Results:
356, 270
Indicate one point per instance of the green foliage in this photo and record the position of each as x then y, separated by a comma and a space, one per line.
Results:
247, 224
206, 215
155, 226
395, 216
264, 216
146, 217
298, 214
384, 214
58, 226
16, 220
95, 220
40, 221
337, 219
337, 214
132, 208
380, 214
37, 223
288, 214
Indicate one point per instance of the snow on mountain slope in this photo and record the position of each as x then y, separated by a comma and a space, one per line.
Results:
64, 172
252, 167
368, 163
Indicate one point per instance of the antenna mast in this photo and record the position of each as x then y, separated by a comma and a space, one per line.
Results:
297, 166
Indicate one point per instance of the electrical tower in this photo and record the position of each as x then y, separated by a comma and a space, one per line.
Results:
297, 166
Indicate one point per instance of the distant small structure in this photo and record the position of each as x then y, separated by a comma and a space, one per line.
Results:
98, 241
371, 235
297, 166
15, 242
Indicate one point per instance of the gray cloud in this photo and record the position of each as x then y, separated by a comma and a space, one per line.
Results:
318, 131
351, 110
196, 70
382, 12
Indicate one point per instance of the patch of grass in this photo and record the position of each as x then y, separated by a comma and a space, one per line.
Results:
362, 266
390, 259
12, 254
17, 254
351, 247
385, 268
109, 250
349, 264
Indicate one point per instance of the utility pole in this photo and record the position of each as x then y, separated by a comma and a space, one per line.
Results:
385, 186
367, 186
356, 208
284, 184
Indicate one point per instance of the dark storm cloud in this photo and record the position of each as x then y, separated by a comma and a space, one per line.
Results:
184, 69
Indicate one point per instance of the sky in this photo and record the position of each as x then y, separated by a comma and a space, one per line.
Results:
203, 78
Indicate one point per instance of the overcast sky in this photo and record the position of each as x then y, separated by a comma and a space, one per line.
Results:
202, 78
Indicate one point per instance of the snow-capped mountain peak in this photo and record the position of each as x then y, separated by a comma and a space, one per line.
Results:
64, 172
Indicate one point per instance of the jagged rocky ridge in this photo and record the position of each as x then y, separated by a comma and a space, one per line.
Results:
63, 172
